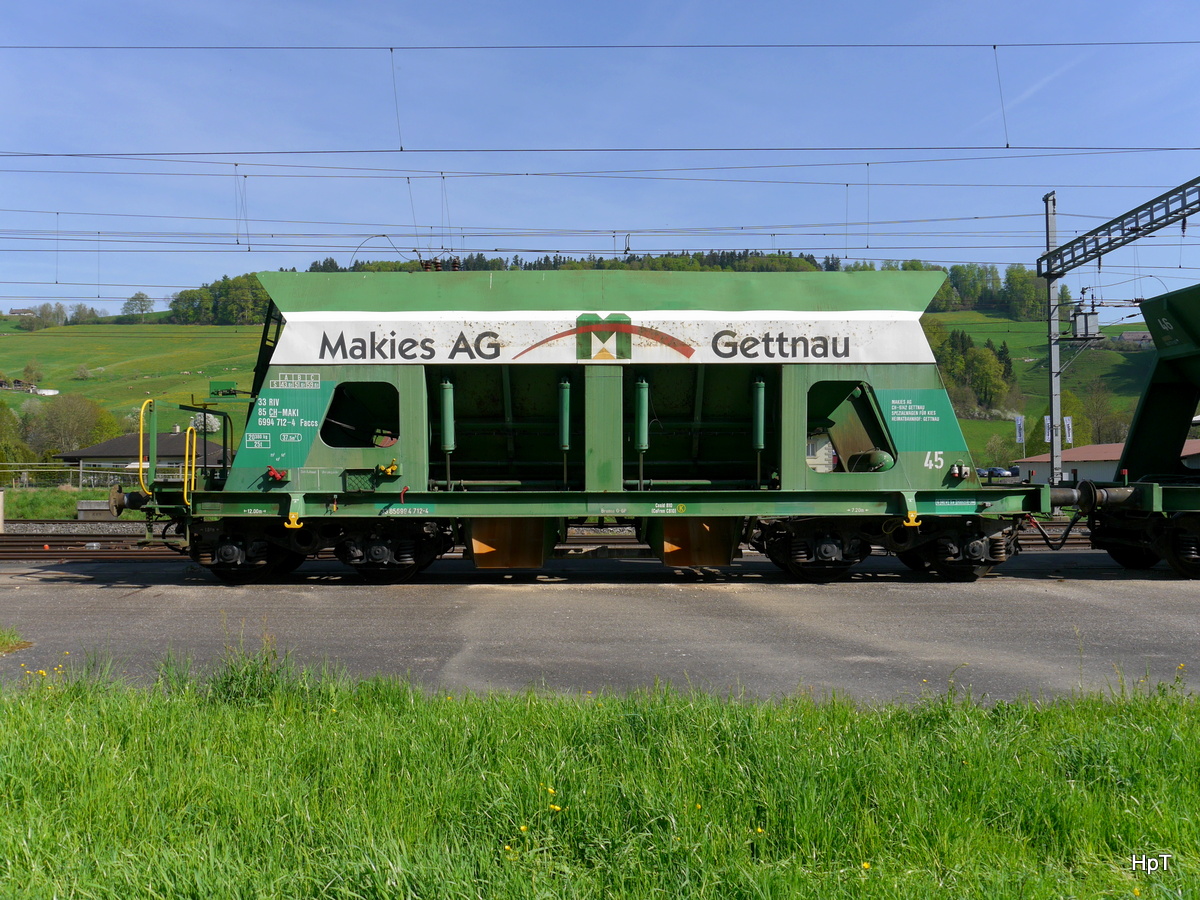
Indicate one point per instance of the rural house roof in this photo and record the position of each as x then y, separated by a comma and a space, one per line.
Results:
171, 446
1100, 453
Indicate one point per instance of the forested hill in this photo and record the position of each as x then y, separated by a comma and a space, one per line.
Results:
1020, 294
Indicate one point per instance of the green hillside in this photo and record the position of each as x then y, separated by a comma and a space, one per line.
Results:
126, 364
1123, 372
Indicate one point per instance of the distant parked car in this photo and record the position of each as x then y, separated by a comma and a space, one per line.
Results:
995, 472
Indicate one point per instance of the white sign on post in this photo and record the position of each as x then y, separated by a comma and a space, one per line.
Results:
1068, 430
1020, 421
1047, 421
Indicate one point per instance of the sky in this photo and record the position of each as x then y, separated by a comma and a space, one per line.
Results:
153, 147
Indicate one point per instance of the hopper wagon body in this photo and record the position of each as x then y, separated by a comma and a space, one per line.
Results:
393, 416
1150, 511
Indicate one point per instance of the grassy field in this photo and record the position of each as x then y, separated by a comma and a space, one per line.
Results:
1124, 373
129, 363
47, 503
256, 780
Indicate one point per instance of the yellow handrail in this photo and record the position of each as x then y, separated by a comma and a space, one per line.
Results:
191, 442
141, 446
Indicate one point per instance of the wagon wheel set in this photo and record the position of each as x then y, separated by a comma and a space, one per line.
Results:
822, 551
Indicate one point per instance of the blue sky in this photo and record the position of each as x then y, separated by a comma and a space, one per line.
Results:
168, 168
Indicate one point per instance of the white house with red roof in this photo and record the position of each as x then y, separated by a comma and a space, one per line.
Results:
1092, 462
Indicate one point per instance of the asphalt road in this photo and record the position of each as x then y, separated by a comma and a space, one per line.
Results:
1046, 624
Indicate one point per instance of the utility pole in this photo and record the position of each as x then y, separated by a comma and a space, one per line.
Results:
1053, 329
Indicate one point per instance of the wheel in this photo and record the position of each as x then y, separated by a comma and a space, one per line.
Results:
961, 572
914, 559
777, 559
1134, 557
819, 573
1180, 552
386, 574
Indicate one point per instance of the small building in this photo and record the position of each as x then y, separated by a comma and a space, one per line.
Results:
21, 312
1093, 462
1142, 339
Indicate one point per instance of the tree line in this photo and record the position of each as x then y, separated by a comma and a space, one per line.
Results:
1020, 294
241, 300
48, 315
978, 379
38, 429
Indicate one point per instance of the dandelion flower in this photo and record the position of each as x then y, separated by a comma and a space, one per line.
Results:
759, 830
697, 806
556, 808
866, 866
524, 827
507, 847
551, 791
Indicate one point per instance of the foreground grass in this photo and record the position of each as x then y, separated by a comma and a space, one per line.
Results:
10, 639
257, 780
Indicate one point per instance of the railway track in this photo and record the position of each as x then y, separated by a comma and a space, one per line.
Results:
81, 546
97, 546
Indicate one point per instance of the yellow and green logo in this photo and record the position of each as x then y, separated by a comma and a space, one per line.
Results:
597, 339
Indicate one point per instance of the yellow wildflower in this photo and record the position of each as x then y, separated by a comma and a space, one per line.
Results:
866, 865
556, 808
524, 827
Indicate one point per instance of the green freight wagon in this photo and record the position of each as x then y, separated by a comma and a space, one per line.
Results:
1150, 511
393, 416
